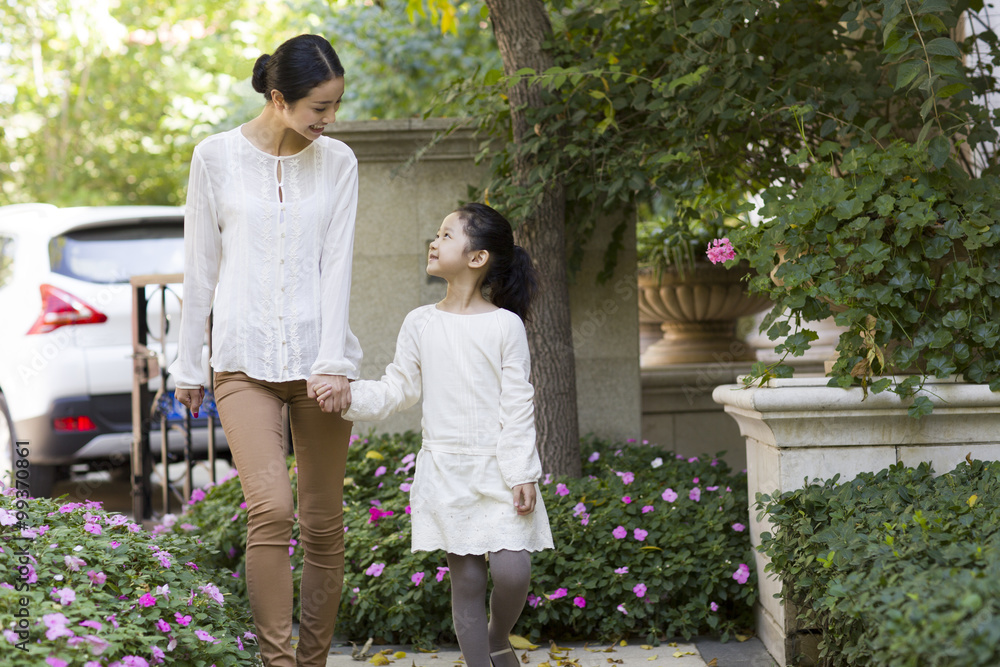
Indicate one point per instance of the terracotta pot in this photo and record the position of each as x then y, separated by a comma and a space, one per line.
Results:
697, 311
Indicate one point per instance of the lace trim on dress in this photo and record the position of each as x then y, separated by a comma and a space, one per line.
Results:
267, 175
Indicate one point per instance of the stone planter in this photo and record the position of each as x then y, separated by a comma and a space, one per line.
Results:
799, 429
697, 312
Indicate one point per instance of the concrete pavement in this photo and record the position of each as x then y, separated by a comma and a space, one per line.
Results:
696, 653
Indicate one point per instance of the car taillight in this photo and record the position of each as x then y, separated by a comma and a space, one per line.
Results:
60, 308
81, 423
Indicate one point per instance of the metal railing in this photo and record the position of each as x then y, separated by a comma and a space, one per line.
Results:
148, 405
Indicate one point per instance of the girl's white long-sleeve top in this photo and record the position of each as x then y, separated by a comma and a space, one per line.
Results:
478, 429
271, 240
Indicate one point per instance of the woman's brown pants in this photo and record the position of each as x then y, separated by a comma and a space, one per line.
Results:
250, 411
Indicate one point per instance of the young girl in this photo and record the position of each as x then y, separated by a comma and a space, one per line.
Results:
474, 492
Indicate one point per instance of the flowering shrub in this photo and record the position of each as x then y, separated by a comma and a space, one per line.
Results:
648, 545
83, 587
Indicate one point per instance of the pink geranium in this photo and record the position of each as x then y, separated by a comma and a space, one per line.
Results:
720, 250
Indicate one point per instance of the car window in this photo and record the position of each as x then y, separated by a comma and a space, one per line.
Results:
6, 258
115, 253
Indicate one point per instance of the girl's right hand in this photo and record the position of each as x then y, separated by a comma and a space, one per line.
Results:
191, 398
524, 498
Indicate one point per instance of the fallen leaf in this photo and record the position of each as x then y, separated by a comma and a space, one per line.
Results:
653, 657
681, 654
714, 662
544, 664
520, 643
743, 638
623, 643
672, 644
372, 454
645, 647
363, 653
379, 660
399, 654
611, 660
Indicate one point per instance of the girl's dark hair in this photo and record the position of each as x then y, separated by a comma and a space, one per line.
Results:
511, 278
296, 67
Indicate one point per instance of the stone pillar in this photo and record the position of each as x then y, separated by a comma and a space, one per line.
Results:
798, 430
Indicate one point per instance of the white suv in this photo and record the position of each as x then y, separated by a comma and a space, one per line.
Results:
66, 333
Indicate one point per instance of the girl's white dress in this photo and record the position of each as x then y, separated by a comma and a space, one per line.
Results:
478, 429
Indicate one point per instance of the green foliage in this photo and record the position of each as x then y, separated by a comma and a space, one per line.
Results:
103, 104
685, 561
904, 255
75, 563
395, 67
897, 239
897, 567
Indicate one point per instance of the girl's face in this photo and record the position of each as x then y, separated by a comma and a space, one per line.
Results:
310, 115
447, 254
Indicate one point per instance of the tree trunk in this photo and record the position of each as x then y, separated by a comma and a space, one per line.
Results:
521, 28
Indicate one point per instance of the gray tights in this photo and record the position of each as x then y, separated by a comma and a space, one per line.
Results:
511, 573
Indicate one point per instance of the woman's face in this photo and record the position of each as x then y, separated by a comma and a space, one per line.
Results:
310, 115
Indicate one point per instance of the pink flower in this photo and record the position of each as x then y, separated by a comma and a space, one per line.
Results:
639, 590
669, 495
622, 609
374, 514
64, 595
695, 494
159, 655
584, 519
93, 625
561, 489
205, 637
640, 534
182, 620
74, 563
147, 600
56, 626
647, 509
114, 544
713, 606
720, 250
739, 527
628, 477
741, 574
55, 662
579, 509
375, 569
197, 496
580, 602
93, 528
417, 578
212, 591
621, 570
162, 626
381, 470
534, 600
559, 593
619, 532
440, 575
626, 499
593, 457
405, 487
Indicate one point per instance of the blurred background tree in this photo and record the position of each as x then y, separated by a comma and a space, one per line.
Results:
102, 102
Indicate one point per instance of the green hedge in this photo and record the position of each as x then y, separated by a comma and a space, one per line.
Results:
895, 568
682, 578
80, 586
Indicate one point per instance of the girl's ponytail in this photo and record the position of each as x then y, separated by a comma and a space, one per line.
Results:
511, 278
514, 289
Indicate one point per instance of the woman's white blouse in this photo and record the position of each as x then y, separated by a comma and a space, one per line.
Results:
276, 257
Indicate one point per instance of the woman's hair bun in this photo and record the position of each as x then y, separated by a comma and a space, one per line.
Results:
259, 79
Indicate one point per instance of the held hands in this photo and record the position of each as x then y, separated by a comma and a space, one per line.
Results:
332, 392
524, 498
190, 398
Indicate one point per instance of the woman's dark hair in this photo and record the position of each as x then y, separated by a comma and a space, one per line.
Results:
296, 67
511, 278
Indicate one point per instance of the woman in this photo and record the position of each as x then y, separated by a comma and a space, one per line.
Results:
269, 223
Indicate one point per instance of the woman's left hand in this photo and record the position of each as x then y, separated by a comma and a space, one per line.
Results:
337, 394
524, 498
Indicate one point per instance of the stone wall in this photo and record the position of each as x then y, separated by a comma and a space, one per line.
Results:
400, 207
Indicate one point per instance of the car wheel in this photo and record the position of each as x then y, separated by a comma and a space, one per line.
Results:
6, 445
